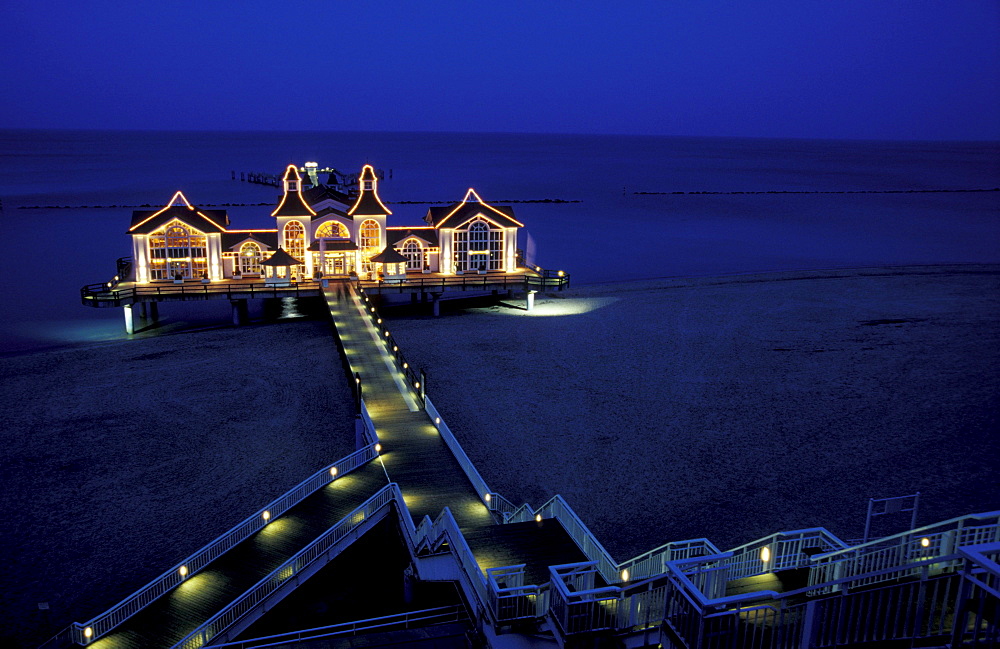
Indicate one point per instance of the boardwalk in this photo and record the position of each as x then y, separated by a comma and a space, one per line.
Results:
417, 459
414, 456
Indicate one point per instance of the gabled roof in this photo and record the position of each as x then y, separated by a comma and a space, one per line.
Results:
332, 210
292, 203
281, 258
146, 221
389, 256
319, 193
234, 238
398, 235
457, 214
368, 203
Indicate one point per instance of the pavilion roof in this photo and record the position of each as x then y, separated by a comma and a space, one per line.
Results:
281, 258
389, 256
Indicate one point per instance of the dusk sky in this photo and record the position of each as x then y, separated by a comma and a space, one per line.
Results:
892, 69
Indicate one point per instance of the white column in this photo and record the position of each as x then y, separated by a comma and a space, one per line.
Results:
129, 319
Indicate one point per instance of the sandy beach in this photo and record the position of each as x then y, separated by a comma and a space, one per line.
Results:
733, 407
122, 458
727, 407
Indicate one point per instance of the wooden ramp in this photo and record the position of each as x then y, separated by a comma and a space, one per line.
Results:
176, 614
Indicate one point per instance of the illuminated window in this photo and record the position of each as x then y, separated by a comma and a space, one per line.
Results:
177, 250
250, 257
332, 230
370, 242
368, 185
414, 254
479, 247
295, 244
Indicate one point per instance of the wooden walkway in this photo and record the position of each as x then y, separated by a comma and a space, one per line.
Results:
418, 460
173, 616
413, 455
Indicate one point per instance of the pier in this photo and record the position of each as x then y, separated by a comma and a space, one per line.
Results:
537, 576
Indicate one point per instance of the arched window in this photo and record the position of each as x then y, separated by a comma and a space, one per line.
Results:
295, 243
250, 257
370, 242
177, 250
413, 252
332, 230
479, 247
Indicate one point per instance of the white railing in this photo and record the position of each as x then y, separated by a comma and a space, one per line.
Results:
492, 500
368, 431
576, 605
779, 551
414, 619
445, 526
163, 584
927, 542
655, 561
291, 568
510, 598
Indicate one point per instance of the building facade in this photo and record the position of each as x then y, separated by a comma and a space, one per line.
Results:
327, 232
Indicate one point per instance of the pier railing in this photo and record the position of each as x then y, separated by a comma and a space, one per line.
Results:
493, 501
99, 626
105, 295
780, 551
534, 281
415, 378
292, 569
927, 542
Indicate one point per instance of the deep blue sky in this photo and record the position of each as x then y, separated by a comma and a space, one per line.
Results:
894, 69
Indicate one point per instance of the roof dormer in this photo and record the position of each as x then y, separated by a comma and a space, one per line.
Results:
292, 202
368, 203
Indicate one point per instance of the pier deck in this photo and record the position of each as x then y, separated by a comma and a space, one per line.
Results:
174, 615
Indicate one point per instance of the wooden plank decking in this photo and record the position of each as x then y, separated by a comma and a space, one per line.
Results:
176, 614
414, 456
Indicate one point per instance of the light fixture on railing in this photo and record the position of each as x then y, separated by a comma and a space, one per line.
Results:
925, 542
379, 321
395, 348
538, 518
765, 554
266, 515
417, 385
625, 574
182, 571
333, 472
487, 498
437, 421
88, 633
378, 448
405, 365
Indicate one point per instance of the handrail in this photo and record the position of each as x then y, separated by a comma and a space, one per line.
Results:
442, 613
235, 610
98, 294
105, 622
492, 500
416, 380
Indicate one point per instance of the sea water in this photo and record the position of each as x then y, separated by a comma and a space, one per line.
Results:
635, 207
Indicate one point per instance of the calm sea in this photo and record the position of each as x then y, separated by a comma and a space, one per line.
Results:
613, 233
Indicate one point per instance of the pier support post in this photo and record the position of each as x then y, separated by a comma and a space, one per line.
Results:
129, 319
436, 304
143, 314
529, 300
154, 312
239, 312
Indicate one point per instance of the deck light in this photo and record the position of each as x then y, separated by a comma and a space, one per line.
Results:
562, 274
183, 571
538, 518
379, 321
116, 278
437, 421
395, 349
765, 554
266, 515
378, 448
487, 498
333, 472
925, 542
357, 380
88, 633
386, 333
373, 309
625, 574
417, 385
405, 365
